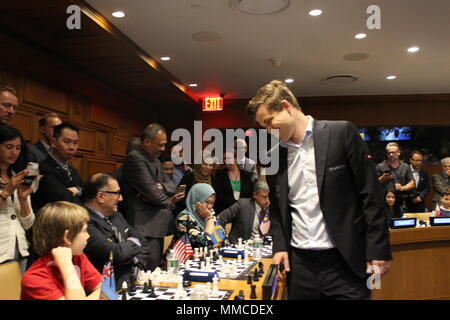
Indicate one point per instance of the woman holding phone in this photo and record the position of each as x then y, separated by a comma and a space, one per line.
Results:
16, 215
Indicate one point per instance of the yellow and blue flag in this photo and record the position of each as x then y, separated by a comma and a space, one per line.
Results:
218, 233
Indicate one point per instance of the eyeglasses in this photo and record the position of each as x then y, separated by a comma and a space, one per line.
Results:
393, 152
119, 193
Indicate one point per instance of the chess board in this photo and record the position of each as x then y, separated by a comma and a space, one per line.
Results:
266, 251
167, 293
243, 269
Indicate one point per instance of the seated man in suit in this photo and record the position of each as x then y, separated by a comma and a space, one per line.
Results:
247, 215
60, 181
108, 229
441, 181
39, 151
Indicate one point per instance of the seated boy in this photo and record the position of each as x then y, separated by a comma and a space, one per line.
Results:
62, 272
445, 203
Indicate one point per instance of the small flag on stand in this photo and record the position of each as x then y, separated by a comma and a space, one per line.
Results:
218, 234
108, 288
264, 224
183, 249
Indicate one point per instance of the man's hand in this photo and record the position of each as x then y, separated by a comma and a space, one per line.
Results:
279, 258
176, 197
417, 200
385, 177
380, 267
74, 190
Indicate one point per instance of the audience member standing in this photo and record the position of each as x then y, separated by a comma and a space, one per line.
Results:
394, 174
16, 215
415, 201
150, 193
231, 183
60, 181
39, 151
244, 163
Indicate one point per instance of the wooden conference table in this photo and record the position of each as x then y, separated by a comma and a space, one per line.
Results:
420, 269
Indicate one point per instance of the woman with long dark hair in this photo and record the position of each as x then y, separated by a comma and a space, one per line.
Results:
16, 215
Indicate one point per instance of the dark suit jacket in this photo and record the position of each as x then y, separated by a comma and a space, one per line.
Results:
421, 190
349, 194
54, 184
147, 203
242, 215
37, 152
103, 240
224, 191
440, 182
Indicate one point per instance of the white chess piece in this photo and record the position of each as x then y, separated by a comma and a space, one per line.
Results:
239, 243
208, 263
205, 251
202, 265
187, 265
196, 254
239, 259
246, 259
201, 251
215, 287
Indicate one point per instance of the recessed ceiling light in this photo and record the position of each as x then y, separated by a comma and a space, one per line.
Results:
413, 49
193, 85
315, 12
118, 14
391, 77
289, 80
165, 58
361, 36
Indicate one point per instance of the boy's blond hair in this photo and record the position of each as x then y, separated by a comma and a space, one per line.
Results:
53, 220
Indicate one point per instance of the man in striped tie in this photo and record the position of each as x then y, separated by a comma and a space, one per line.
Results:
249, 217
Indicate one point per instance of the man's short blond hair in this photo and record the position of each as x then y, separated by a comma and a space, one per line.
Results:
52, 222
271, 96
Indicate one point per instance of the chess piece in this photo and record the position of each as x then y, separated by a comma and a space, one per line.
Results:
202, 265
253, 292
145, 290
208, 263
249, 279
195, 253
215, 287
239, 259
187, 283
246, 259
255, 275
260, 271
239, 243
124, 290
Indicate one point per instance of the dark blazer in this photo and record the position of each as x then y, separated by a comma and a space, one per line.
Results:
148, 204
242, 215
350, 196
440, 182
37, 152
224, 191
54, 183
421, 190
103, 240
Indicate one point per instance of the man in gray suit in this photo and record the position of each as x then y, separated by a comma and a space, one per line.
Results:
244, 163
150, 193
246, 215
441, 181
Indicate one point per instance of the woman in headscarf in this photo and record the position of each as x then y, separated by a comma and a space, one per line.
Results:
198, 220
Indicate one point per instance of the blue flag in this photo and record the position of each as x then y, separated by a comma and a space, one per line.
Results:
108, 289
218, 234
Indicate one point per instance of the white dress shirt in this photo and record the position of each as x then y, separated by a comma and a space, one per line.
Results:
308, 226
416, 176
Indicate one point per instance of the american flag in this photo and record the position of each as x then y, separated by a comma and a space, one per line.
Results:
183, 249
108, 288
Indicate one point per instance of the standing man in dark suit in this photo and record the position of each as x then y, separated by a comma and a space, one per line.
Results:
60, 181
39, 151
415, 201
150, 193
328, 219
108, 229
247, 215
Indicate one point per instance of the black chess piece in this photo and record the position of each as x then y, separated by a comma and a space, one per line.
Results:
145, 290
253, 292
249, 279
255, 275
152, 293
241, 296
187, 283
261, 265
260, 272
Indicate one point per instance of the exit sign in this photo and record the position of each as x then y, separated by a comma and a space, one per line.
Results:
212, 104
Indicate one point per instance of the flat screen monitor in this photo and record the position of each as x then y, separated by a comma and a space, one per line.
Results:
394, 133
364, 134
